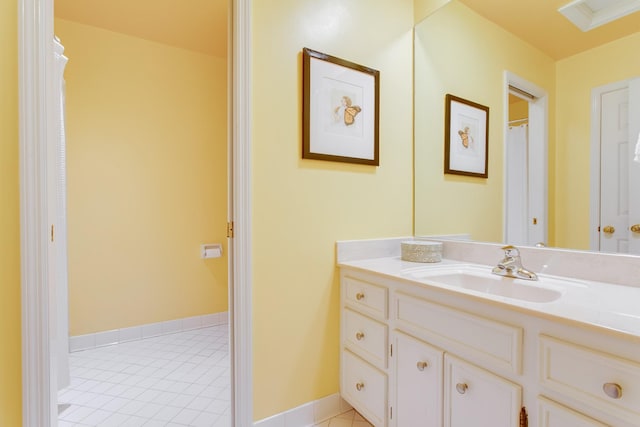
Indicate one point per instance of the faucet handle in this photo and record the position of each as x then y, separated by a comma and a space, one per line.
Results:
510, 251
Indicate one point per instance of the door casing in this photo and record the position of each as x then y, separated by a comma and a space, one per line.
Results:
36, 123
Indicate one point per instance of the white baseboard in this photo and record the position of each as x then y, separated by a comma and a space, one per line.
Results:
308, 414
115, 336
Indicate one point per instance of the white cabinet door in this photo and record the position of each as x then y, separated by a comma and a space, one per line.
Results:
418, 383
478, 398
551, 414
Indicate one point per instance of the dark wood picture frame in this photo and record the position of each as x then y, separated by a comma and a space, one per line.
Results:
340, 110
466, 137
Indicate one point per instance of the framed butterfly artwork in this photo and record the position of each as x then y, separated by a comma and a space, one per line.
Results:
340, 110
466, 136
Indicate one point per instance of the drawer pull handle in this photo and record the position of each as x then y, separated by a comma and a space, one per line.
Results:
612, 390
421, 365
359, 336
359, 386
359, 296
462, 388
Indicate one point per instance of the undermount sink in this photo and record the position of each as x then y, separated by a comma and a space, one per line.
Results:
477, 279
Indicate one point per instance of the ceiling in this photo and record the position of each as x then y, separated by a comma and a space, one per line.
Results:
540, 24
197, 25
201, 25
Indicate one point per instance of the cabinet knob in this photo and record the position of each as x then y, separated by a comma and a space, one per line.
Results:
360, 296
635, 228
359, 386
609, 229
359, 336
421, 365
612, 390
462, 388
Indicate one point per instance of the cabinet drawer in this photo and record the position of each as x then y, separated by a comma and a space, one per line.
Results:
604, 381
370, 338
367, 296
365, 388
551, 414
486, 340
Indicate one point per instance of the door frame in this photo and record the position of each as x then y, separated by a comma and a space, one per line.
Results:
594, 173
538, 201
36, 119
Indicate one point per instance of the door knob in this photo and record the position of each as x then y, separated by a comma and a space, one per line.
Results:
635, 228
609, 229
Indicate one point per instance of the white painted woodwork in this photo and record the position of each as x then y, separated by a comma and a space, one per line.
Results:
364, 387
614, 174
582, 373
508, 356
551, 414
537, 163
490, 341
419, 381
36, 83
58, 272
634, 167
366, 296
517, 185
476, 397
366, 336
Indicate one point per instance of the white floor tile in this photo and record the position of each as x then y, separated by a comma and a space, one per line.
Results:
181, 379
185, 416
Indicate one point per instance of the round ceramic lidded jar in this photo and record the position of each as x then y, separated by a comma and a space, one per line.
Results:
421, 251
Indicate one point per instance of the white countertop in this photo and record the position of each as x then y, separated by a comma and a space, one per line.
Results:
603, 305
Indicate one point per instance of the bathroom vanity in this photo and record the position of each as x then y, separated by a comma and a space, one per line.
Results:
450, 344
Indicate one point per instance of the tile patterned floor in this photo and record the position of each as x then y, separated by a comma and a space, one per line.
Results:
180, 379
348, 419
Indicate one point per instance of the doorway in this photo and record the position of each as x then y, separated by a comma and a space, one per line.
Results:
146, 137
615, 172
525, 169
36, 98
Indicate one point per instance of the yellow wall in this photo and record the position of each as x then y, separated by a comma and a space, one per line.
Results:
301, 207
461, 53
10, 355
518, 108
424, 8
146, 153
610, 63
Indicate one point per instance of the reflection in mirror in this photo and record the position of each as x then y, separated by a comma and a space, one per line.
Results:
461, 52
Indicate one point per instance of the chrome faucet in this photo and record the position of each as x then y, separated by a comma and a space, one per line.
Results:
511, 265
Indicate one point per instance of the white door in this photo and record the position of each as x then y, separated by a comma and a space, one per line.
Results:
418, 383
617, 189
57, 191
475, 397
634, 167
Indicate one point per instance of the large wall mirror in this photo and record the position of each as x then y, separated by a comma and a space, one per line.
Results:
469, 48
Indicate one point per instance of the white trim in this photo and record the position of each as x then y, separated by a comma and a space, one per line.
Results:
241, 344
148, 330
594, 192
35, 56
586, 17
538, 157
308, 414
39, 397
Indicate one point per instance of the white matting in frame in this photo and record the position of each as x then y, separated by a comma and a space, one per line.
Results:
340, 110
466, 137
